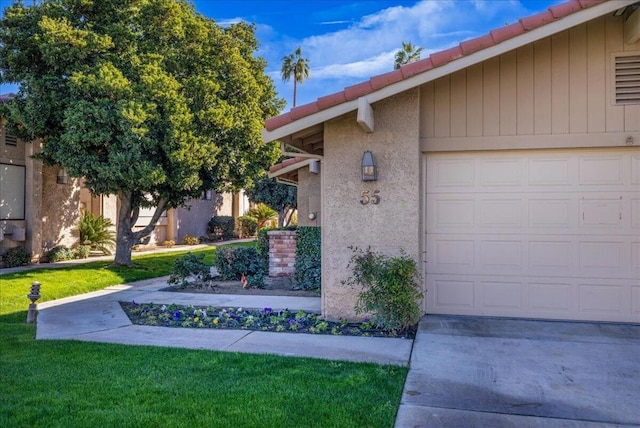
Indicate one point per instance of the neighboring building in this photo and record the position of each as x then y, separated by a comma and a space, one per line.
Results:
508, 166
36, 212
40, 206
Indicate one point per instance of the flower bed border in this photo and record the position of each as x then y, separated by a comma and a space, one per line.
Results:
266, 319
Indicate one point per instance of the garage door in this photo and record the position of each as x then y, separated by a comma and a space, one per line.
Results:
539, 234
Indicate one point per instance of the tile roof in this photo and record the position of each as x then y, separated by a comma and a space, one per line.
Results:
436, 59
286, 163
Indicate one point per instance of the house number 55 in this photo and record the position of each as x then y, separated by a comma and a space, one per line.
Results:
369, 197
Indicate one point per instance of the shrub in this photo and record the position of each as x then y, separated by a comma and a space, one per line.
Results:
190, 240
232, 263
308, 258
82, 251
389, 288
221, 227
248, 225
190, 266
262, 213
60, 254
168, 243
15, 257
263, 246
96, 232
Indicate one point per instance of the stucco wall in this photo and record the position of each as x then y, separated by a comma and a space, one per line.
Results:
194, 221
388, 227
309, 197
61, 210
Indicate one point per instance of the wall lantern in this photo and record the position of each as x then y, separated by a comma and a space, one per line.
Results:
62, 177
369, 170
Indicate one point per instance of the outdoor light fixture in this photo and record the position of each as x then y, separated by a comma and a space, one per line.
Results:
369, 170
62, 177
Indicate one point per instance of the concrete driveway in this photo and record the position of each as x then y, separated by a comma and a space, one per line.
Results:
472, 372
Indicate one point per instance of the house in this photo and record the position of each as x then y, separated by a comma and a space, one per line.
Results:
508, 166
40, 206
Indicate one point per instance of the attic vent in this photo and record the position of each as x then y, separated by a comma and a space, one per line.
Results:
627, 69
10, 139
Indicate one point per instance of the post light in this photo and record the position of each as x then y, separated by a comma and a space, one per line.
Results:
369, 170
62, 177
33, 295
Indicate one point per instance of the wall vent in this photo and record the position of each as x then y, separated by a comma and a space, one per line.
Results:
10, 139
627, 71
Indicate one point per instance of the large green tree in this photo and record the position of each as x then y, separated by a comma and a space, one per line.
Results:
297, 66
145, 99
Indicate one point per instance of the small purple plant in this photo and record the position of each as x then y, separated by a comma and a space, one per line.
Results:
133, 303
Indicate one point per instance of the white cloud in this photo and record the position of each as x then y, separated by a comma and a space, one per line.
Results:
366, 48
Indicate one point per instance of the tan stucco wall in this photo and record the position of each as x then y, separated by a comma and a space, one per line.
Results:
309, 187
61, 210
388, 227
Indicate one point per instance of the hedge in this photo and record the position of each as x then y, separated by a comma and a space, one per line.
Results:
308, 258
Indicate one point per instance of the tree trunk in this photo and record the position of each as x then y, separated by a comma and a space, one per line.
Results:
126, 237
281, 217
295, 87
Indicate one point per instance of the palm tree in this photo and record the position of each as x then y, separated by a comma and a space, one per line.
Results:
407, 54
294, 64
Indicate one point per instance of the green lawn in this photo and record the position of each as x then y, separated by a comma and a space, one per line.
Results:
67, 383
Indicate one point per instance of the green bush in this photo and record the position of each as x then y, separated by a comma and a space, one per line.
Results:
221, 227
248, 225
96, 232
232, 263
263, 246
60, 254
308, 258
82, 251
389, 288
190, 240
263, 214
15, 257
190, 266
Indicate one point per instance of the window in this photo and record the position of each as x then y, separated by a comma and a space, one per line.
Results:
627, 79
12, 192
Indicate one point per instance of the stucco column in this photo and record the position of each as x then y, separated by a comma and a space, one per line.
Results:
33, 199
391, 225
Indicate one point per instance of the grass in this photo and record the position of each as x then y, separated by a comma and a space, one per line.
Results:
68, 383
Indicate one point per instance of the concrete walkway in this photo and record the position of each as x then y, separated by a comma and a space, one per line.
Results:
98, 317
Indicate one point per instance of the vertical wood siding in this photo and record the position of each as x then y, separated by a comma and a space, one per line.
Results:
557, 85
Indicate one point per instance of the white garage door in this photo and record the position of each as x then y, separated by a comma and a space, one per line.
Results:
538, 234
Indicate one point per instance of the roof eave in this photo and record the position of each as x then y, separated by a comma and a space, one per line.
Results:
526, 38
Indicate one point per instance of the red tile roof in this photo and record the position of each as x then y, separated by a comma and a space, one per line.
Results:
435, 60
286, 163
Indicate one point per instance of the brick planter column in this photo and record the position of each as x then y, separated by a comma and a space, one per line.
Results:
282, 252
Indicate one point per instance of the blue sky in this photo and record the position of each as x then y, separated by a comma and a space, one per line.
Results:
347, 42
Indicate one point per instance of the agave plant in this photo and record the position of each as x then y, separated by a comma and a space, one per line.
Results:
262, 213
96, 232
